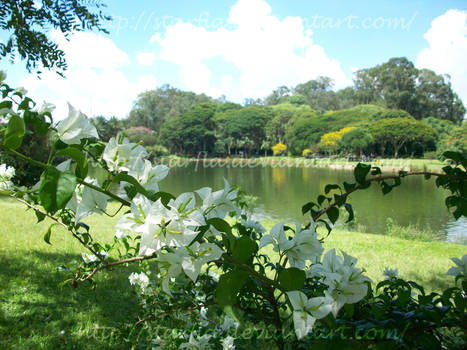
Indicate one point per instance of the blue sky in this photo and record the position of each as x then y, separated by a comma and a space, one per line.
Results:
246, 48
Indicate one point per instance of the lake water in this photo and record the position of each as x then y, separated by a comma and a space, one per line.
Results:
282, 191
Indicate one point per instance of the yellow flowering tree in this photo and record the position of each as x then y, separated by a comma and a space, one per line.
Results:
330, 142
279, 149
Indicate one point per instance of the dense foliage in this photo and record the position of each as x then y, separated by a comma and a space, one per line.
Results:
28, 22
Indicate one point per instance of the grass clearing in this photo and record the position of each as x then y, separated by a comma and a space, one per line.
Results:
36, 314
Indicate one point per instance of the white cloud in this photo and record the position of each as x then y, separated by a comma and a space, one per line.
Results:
447, 51
145, 58
95, 81
264, 53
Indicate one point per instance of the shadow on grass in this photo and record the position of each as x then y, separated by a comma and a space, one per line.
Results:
436, 283
36, 314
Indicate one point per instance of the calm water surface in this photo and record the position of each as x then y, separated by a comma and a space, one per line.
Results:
281, 193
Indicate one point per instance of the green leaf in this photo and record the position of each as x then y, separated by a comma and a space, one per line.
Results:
14, 132
385, 187
47, 234
321, 198
307, 207
39, 216
244, 249
6, 104
361, 171
56, 189
292, 279
376, 171
333, 214
24, 105
349, 209
130, 179
329, 187
78, 157
455, 156
228, 287
220, 225
164, 196
349, 186
223, 226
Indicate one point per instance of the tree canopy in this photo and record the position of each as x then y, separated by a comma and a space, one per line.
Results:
28, 22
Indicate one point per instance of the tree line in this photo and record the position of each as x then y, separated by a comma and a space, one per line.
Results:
392, 109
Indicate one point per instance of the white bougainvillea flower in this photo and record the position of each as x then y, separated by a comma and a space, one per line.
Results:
160, 226
6, 174
139, 279
122, 155
306, 246
460, 269
346, 283
229, 323
148, 175
90, 201
199, 254
89, 258
197, 343
228, 343
220, 203
307, 311
277, 238
253, 224
189, 259
171, 266
75, 127
390, 273
46, 108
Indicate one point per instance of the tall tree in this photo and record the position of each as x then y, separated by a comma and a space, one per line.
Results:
191, 132
27, 23
397, 84
154, 107
318, 94
247, 125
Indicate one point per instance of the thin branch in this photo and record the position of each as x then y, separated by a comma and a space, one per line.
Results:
115, 263
377, 178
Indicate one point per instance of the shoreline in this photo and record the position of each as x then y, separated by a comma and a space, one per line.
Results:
387, 165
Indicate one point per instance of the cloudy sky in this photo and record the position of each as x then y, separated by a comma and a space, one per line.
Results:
245, 48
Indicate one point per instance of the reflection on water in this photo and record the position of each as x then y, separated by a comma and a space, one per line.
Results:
283, 191
279, 176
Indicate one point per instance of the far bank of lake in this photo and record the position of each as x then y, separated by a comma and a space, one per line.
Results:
386, 164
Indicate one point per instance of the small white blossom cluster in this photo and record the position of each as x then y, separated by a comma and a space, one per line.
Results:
6, 174
139, 279
87, 201
302, 247
203, 342
346, 285
90, 258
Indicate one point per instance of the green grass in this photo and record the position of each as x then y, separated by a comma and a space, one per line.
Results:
36, 314
421, 261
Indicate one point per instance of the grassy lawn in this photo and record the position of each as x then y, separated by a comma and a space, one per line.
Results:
36, 314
